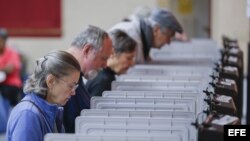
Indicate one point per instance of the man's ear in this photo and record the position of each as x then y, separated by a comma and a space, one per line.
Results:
50, 80
86, 49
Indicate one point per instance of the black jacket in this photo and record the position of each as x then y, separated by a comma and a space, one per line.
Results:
102, 82
73, 108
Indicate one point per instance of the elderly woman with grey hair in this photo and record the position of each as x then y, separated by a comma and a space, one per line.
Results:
49, 87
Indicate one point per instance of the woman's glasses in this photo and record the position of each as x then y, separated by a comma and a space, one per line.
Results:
72, 87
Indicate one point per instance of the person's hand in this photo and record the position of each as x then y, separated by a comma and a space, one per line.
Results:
181, 37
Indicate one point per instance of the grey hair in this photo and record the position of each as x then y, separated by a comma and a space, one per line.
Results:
90, 35
153, 24
57, 63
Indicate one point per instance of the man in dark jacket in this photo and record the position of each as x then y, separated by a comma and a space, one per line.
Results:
92, 47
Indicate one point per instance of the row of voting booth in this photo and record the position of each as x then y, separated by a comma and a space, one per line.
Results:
187, 93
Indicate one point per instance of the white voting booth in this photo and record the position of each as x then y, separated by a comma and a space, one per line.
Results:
190, 53
143, 104
136, 114
158, 86
197, 97
83, 137
112, 125
169, 71
152, 102
198, 44
159, 78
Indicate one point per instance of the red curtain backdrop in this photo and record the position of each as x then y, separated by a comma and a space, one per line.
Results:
31, 17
